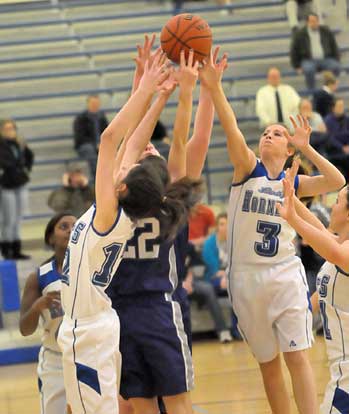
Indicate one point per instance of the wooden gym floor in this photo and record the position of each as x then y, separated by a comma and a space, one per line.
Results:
227, 381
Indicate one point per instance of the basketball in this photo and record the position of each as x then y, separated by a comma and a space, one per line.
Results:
186, 31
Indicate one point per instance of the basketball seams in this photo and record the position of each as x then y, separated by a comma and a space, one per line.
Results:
179, 38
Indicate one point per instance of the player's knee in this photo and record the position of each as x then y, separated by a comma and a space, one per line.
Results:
295, 359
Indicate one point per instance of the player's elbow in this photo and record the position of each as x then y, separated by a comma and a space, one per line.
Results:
25, 330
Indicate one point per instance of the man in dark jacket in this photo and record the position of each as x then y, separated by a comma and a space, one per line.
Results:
314, 48
88, 127
338, 128
323, 99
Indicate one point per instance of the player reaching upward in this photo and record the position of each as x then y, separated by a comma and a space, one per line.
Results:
125, 192
266, 280
332, 288
156, 356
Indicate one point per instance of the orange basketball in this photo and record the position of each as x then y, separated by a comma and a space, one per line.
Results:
186, 31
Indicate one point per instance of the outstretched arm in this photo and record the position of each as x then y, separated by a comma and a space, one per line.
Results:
321, 241
198, 144
241, 156
106, 199
186, 77
330, 178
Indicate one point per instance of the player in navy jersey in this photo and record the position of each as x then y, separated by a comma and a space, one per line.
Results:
332, 288
41, 303
146, 291
267, 281
125, 193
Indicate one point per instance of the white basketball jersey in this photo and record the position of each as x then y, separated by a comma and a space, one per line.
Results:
50, 281
257, 235
333, 287
90, 262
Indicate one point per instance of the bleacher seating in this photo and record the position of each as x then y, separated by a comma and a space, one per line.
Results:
54, 53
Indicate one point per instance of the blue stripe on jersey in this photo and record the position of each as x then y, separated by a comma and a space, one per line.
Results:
261, 171
74, 354
111, 228
341, 401
52, 275
88, 376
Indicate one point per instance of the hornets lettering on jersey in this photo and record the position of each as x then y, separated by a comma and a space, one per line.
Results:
252, 212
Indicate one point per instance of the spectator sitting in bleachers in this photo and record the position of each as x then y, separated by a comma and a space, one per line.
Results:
319, 136
201, 223
16, 161
314, 48
161, 140
275, 101
75, 196
338, 128
204, 293
299, 9
215, 257
323, 99
88, 127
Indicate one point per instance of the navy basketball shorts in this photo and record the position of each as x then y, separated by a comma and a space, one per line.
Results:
156, 356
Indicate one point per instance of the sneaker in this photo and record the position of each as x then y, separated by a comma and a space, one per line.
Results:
225, 337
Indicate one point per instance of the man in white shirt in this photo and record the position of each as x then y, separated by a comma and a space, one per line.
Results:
276, 101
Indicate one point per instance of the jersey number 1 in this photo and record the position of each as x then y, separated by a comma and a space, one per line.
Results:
112, 252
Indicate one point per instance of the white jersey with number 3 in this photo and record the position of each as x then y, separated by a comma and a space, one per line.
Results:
90, 262
257, 234
333, 287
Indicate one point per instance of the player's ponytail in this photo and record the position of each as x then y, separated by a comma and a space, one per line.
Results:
150, 194
178, 200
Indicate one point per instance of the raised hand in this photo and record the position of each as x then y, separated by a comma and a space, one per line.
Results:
144, 53
187, 73
287, 209
167, 87
211, 73
301, 137
155, 73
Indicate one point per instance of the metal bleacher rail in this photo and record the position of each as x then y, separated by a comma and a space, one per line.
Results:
100, 71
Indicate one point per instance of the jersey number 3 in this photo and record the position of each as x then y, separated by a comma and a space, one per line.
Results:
270, 243
102, 277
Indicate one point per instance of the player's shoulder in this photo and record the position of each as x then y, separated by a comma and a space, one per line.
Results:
48, 274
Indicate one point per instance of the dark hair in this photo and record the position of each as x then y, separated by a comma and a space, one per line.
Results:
150, 194
220, 216
50, 227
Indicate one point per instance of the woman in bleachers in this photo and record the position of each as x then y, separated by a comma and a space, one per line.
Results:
215, 256
16, 161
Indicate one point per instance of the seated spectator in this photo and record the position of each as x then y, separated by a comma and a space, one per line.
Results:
299, 9
338, 128
204, 293
76, 195
318, 137
275, 101
323, 98
16, 161
314, 48
201, 223
88, 127
215, 257
161, 140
